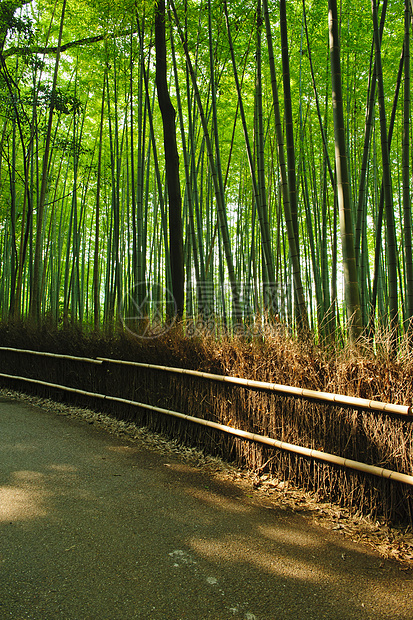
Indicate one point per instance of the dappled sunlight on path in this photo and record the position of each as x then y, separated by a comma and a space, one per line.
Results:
21, 503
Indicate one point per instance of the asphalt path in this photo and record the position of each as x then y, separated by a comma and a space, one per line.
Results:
93, 526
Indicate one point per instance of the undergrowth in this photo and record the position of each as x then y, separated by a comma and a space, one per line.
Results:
363, 371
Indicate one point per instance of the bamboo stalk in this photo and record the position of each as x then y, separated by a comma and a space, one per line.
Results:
36, 292
275, 443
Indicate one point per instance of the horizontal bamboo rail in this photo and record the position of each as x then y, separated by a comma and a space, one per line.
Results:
58, 355
275, 443
339, 400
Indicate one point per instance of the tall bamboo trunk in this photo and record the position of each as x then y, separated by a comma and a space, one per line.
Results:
220, 200
388, 193
406, 170
36, 292
292, 241
352, 294
288, 115
259, 190
96, 261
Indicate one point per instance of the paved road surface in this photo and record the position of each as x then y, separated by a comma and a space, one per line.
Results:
96, 527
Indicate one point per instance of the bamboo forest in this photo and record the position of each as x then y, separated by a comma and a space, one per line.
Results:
220, 164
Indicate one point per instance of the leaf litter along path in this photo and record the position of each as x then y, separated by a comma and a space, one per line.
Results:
101, 519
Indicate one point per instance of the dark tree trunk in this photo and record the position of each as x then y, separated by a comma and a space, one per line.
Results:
171, 161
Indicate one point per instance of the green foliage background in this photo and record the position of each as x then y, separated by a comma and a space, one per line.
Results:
108, 48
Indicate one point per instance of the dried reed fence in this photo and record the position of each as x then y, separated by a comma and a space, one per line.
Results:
350, 428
